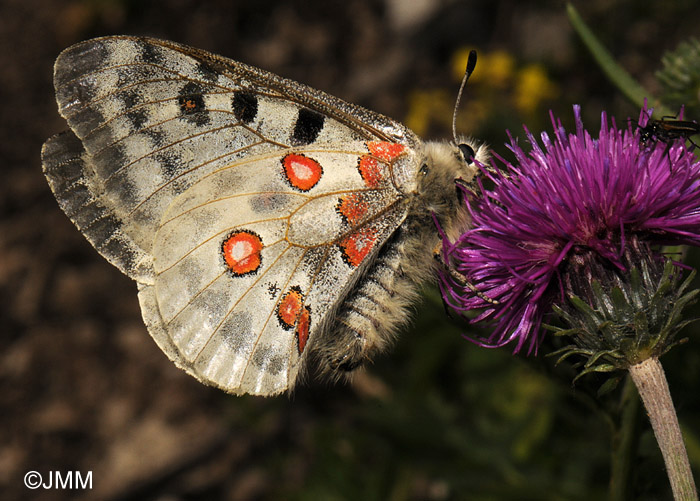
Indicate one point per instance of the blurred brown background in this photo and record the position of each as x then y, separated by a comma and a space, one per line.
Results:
83, 387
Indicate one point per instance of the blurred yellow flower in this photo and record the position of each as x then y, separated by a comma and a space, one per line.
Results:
503, 86
425, 107
532, 87
497, 67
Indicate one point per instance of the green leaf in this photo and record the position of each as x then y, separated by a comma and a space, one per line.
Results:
609, 385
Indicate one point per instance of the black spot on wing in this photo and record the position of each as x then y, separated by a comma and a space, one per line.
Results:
245, 106
268, 203
238, 331
307, 127
157, 135
170, 163
136, 115
207, 72
269, 360
130, 98
273, 289
192, 106
150, 53
137, 118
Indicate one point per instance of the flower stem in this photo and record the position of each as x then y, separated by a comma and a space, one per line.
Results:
650, 379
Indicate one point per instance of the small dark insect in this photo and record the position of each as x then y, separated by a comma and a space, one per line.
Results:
668, 130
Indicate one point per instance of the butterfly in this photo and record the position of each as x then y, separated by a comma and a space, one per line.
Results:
270, 227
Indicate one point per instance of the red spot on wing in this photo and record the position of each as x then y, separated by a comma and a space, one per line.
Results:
188, 105
303, 327
291, 312
241, 251
371, 166
302, 172
385, 150
370, 171
356, 246
290, 307
353, 208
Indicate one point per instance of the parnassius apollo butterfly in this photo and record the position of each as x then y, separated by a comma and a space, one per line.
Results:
268, 225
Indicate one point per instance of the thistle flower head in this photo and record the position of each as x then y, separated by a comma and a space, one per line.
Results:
560, 214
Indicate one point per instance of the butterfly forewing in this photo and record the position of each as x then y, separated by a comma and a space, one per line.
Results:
155, 117
246, 206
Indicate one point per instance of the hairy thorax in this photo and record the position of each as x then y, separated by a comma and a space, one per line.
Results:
369, 318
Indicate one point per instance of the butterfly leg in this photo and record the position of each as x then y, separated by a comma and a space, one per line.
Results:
459, 278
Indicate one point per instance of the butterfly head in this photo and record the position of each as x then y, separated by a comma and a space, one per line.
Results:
446, 165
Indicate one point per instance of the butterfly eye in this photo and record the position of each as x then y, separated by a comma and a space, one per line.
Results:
424, 170
467, 152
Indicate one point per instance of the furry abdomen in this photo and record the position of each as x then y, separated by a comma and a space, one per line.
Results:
375, 311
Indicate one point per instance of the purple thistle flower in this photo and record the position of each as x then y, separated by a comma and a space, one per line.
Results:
579, 198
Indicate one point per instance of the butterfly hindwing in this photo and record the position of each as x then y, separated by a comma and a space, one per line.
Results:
246, 278
246, 206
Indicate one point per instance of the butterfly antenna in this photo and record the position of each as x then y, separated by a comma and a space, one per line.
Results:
471, 63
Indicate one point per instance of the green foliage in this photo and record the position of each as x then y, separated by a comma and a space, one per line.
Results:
680, 76
630, 321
